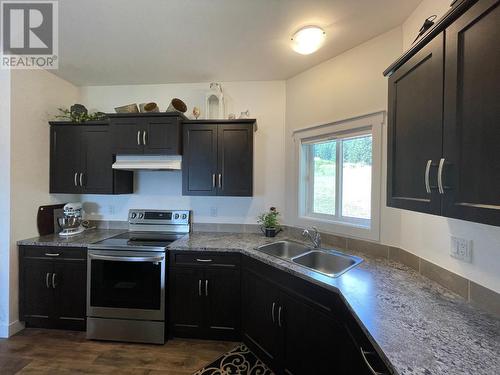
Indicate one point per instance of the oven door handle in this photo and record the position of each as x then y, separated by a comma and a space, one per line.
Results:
126, 258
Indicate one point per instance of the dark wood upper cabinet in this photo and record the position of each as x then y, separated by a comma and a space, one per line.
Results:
146, 133
65, 156
235, 153
415, 130
81, 161
443, 133
218, 158
471, 150
199, 162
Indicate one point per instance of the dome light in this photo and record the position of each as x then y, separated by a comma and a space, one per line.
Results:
308, 40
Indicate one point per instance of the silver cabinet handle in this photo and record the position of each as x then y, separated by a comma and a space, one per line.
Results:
427, 171
138, 137
47, 275
372, 370
203, 260
279, 316
81, 178
440, 176
213, 180
220, 180
54, 281
156, 259
272, 312
144, 138
76, 175
206, 288
199, 288
52, 254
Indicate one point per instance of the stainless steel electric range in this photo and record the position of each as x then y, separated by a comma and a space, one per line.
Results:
126, 278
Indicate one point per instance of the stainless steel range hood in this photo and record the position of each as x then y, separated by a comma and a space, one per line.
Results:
148, 162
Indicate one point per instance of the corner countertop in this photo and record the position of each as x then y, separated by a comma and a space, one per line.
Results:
421, 327
84, 239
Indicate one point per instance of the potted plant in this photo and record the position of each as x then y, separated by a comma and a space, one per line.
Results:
269, 223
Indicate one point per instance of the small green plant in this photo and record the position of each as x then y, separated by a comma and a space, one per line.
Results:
269, 219
78, 113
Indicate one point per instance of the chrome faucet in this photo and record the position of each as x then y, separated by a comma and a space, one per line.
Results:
314, 238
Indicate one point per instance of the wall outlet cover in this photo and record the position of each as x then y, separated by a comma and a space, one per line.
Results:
461, 248
213, 211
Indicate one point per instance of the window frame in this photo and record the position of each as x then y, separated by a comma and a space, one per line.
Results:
340, 130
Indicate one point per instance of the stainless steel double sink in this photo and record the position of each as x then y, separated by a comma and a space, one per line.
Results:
328, 262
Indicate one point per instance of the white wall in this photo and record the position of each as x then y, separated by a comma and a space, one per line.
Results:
35, 96
413, 23
4, 200
346, 86
161, 189
352, 84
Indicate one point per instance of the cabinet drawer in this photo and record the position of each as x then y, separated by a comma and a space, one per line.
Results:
205, 259
53, 252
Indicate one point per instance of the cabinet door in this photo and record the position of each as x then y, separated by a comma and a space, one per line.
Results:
223, 307
65, 159
235, 154
97, 160
415, 131
127, 136
260, 302
472, 112
199, 167
163, 136
36, 291
311, 339
70, 287
186, 301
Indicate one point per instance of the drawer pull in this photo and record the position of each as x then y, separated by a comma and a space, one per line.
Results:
363, 354
203, 260
52, 254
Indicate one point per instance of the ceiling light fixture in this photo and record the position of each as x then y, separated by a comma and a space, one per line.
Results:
308, 39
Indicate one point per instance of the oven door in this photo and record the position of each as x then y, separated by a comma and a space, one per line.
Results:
126, 285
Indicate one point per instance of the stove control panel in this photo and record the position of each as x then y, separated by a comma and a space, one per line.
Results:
177, 217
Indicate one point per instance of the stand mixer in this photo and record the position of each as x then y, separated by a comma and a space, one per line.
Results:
71, 222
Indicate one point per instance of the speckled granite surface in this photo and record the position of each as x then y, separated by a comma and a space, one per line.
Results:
80, 240
421, 327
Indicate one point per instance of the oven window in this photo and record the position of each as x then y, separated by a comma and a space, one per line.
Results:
135, 285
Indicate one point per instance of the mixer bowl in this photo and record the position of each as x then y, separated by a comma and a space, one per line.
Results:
69, 222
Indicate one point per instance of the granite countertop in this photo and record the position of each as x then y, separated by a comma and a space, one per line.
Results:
80, 240
421, 327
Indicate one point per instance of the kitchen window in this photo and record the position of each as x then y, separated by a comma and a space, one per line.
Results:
339, 177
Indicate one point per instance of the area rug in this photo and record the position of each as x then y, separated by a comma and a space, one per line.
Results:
239, 361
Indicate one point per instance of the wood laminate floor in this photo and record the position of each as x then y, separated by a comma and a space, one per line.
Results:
40, 351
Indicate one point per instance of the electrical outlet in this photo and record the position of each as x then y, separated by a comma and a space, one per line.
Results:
111, 209
213, 211
461, 249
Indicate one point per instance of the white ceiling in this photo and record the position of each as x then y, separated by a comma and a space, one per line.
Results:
153, 41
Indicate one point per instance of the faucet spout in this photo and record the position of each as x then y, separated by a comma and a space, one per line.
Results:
315, 237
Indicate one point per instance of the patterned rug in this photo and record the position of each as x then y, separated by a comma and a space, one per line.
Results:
239, 361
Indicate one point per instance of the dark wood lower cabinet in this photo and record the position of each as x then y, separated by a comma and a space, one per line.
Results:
205, 296
52, 285
296, 329
260, 299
